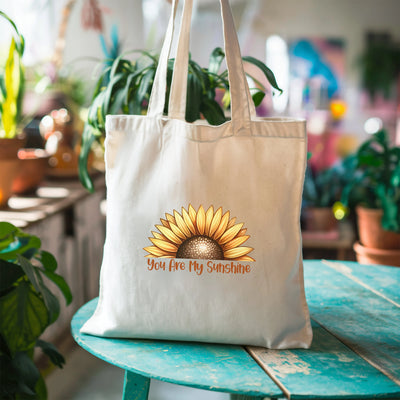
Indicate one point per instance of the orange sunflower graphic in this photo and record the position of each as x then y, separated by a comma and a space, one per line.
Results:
200, 234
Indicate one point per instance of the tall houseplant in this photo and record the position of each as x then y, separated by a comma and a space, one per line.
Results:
27, 308
12, 87
375, 192
12, 84
128, 89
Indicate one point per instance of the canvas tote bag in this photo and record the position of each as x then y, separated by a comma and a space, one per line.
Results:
203, 239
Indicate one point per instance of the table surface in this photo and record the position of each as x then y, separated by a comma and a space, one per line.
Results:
355, 352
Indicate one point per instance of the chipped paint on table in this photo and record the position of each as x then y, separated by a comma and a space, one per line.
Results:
355, 353
365, 320
215, 367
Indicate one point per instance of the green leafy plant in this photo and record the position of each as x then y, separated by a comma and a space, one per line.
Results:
376, 181
12, 84
129, 87
27, 308
324, 188
380, 65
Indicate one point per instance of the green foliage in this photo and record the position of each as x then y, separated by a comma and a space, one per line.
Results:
380, 65
12, 84
129, 87
324, 189
27, 308
376, 181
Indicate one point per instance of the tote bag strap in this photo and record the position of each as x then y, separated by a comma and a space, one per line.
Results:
157, 96
242, 107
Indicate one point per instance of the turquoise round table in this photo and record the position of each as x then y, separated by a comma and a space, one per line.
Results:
355, 354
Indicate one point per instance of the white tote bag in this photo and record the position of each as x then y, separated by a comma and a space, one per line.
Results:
203, 238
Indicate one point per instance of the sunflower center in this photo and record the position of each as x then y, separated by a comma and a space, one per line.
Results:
200, 247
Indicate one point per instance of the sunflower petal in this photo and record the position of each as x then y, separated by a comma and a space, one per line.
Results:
158, 235
244, 258
177, 231
181, 224
164, 222
163, 245
155, 251
170, 218
201, 220
222, 226
230, 233
237, 252
242, 232
215, 222
209, 217
236, 242
192, 214
231, 223
188, 221
167, 232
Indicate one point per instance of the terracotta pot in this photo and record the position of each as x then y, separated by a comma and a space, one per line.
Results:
9, 169
371, 232
33, 167
9, 165
9, 147
369, 255
320, 219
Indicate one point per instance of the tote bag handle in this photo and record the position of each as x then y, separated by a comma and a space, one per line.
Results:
242, 107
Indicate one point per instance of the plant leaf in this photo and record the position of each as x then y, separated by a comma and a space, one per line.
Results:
23, 317
24, 244
9, 273
216, 59
29, 270
267, 72
48, 261
258, 97
51, 301
193, 98
33, 274
51, 351
87, 140
212, 112
27, 373
61, 284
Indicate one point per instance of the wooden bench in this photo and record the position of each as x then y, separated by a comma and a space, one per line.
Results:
355, 354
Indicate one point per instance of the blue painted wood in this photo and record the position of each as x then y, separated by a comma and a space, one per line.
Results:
136, 387
206, 366
356, 305
361, 318
383, 279
329, 369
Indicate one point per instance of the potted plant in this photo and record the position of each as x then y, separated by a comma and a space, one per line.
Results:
12, 90
321, 194
12, 84
380, 65
375, 193
27, 308
128, 87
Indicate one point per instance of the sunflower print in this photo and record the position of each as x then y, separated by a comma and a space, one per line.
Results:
200, 234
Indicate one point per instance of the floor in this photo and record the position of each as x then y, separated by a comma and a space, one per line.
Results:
85, 377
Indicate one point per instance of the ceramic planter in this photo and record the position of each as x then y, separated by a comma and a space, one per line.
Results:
319, 219
371, 232
369, 255
9, 166
33, 167
377, 246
